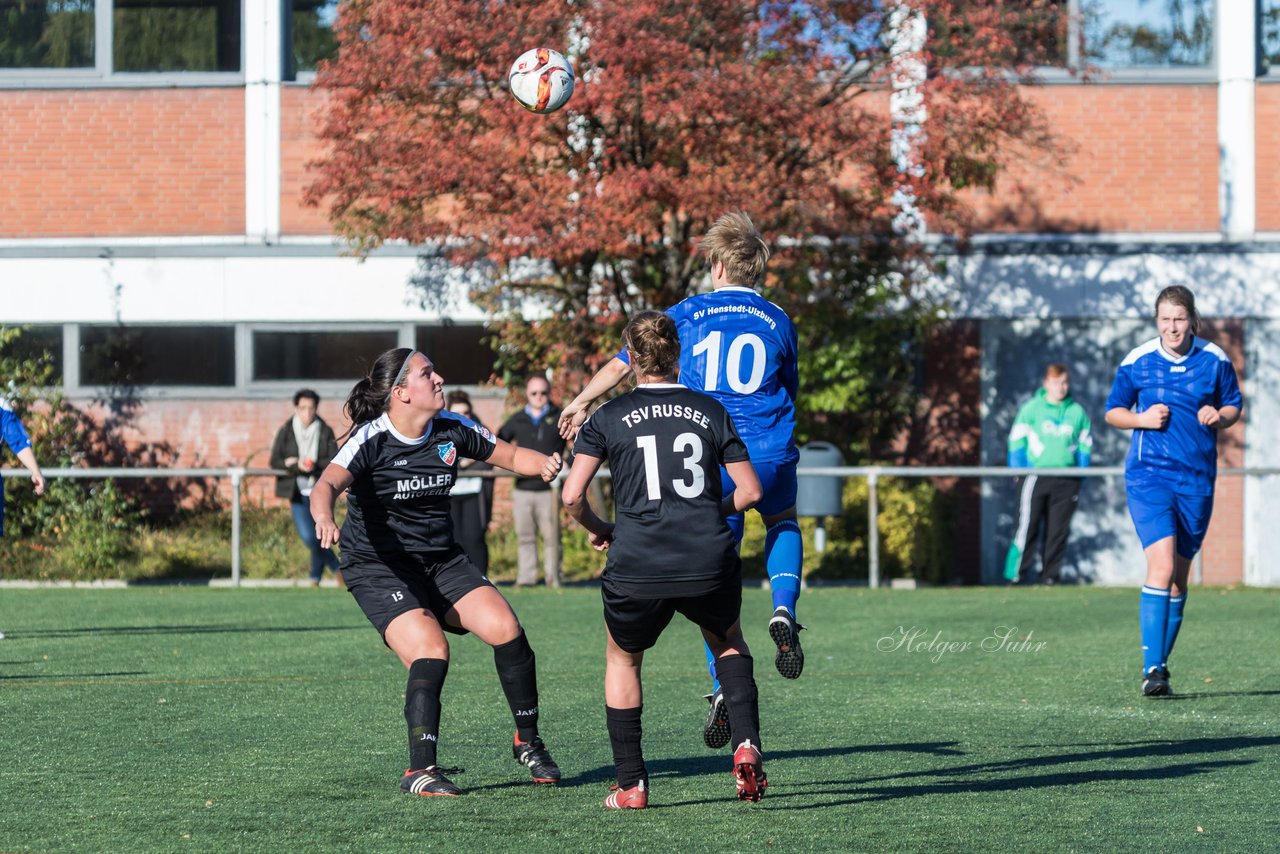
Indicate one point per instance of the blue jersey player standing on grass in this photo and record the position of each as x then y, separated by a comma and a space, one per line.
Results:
1175, 392
742, 350
13, 434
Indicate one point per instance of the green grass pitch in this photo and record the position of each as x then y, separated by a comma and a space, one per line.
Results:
190, 719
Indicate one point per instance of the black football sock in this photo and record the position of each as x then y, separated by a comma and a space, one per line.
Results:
734, 673
624, 737
518, 674
422, 710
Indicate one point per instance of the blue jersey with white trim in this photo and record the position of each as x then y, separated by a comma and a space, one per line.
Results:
741, 349
1185, 452
14, 435
11, 429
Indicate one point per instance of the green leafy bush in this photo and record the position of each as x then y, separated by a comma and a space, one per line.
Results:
914, 522
80, 528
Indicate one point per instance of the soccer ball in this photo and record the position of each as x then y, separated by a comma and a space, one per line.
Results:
541, 80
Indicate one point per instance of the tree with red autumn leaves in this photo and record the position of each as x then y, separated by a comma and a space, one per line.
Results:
682, 111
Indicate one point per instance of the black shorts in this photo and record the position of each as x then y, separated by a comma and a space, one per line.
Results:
636, 623
386, 589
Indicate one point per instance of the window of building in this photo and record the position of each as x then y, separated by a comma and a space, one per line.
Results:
147, 36
1112, 35
176, 35
1037, 34
46, 33
1147, 33
1269, 31
324, 355
157, 355
37, 343
459, 352
311, 34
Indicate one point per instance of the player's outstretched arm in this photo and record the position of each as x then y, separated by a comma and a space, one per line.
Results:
332, 483
574, 498
572, 416
525, 462
748, 490
28, 458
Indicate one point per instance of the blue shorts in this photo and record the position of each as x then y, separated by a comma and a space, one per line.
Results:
778, 484
1160, 511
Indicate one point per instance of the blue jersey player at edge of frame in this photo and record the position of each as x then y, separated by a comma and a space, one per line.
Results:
1175, 392
742, 350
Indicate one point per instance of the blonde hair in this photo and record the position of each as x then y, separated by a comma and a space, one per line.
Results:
734, 242
1181, 296
653, 343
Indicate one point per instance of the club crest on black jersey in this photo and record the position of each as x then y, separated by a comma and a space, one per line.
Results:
398, 500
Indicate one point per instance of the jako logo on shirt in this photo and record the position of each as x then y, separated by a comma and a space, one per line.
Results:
448, 453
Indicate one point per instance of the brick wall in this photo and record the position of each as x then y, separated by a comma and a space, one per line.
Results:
299, 106
220, 433
1223, 552
1267, 133
121, 162
129, 162
1137, 158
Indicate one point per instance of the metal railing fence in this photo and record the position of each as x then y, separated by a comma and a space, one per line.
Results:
873, 475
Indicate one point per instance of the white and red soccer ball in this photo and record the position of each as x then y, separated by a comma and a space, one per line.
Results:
541, 80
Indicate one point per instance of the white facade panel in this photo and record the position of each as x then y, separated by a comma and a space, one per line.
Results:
248, 288
1113, 282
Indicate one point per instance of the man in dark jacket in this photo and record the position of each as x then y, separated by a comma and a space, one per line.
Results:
536, 427
304, 446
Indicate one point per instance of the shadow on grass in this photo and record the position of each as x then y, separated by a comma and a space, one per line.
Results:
860, 795
991, 776
54, 676
1206, 695
186, 570
719, 763
1003, 776
128, 631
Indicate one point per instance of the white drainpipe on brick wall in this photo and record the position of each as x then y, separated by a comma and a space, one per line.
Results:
1235, 40
262, 75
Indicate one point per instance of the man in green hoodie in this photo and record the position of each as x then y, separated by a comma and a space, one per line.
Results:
1051, 431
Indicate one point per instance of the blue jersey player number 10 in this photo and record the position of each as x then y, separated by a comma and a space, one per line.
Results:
710, 346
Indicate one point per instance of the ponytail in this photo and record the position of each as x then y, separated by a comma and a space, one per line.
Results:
370, 396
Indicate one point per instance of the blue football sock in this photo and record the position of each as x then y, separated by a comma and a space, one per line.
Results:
783, 558
1153, 617
711, 665
1176, 604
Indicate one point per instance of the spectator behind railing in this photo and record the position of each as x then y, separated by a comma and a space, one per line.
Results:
304, 446
1050, 431
471, 499
534, 507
